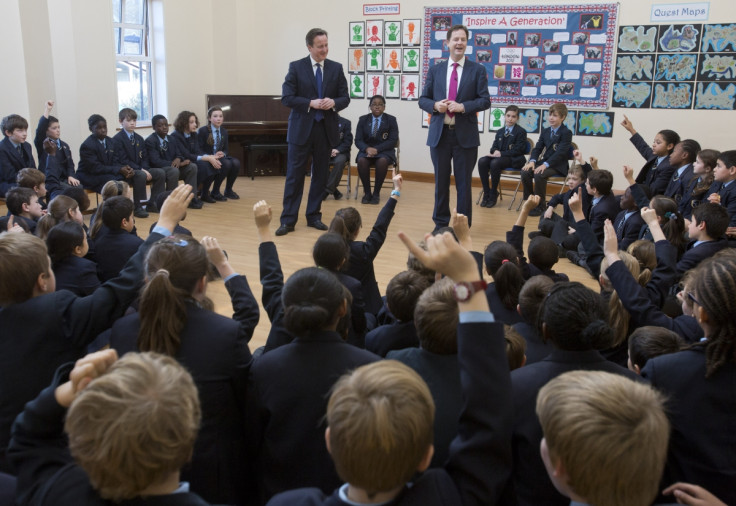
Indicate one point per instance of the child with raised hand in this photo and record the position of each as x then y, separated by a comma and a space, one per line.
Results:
657, 171
378, 461
64, 324
117, 431
67, 245
62, 165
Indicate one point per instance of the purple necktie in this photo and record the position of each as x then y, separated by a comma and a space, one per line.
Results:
452, 94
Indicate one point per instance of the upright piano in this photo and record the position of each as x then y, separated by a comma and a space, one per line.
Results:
256, 127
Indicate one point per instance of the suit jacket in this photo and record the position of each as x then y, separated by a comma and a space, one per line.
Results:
64, 325
394, 336
214, 349
78, 275
47, 474
656, 177
479, 461
287, 400
300, 88
564, 199
530, 479
691, 198
630, 230
512, 146
98, 164
555, 150
499, 310
728, 198
472, 92
188, 147
606, 209
356, 334
133, 155
536, 347
677, 185
362, 254
157, 157
11, 163
385, 140
113, 250
694, 255
345, 135
64, 160
515, 237
702, 412
203, 138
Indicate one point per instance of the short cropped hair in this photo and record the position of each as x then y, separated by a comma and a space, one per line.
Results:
559, 108
134, 425
601, 180
610, 434
531, 296
381, 419
127, 113
116, 210
313, 34
455, 28
23, 258
79, 194
14, 122
16, 197
436, 318
576, 170
403, 292
30, 178
715, 217
728, 158
515, 347
652, 341
93, 120
543, 253
157, 118
379, 97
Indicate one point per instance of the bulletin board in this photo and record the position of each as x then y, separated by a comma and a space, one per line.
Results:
533, 55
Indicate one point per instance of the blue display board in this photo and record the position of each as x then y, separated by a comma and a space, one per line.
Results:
534, 55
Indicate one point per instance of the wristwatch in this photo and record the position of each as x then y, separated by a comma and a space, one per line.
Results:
463, 290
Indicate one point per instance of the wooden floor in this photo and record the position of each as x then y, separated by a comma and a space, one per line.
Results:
232, 224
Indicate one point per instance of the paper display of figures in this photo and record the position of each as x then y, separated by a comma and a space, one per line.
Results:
374, 57
374, 32
392, 33
374, 85
357, 33
357, 85
412, 30
409, 86
356, 60
392, 87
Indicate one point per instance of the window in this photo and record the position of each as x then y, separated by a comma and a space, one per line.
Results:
133, 58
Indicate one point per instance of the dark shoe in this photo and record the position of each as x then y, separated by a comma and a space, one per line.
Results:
195, 204
232, 195
492, 198
218, 197
207, 198
284, 229
573, 257
366, 199
535, 233
561, 251
317, 224
151, 207
140, 213
537, 211
325, 194
486, 199
376, 199
337, 194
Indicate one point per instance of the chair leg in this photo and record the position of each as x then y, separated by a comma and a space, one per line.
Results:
480, 196
511, 204
350, 170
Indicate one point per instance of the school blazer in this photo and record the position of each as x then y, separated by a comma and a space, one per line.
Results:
656, 177
472, 92
203, 135
157, 157
96, 160
385, 140
11, 163
677, 185
63, 155
134, 156
606, 209
555, 150
512, 146
394, 336
300, 88
78, 275
694, 255
113, 250
345, 135
630, 230
728, 198
188, 146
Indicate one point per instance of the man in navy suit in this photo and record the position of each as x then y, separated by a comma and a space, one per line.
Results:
315, 90
454, 91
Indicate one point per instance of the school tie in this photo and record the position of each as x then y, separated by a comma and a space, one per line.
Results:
58, 144
319, 115
217, 140
165, 145
620, 227
132, 139
508, 132
452, 93
374, 131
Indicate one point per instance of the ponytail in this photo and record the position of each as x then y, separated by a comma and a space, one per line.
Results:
502, 263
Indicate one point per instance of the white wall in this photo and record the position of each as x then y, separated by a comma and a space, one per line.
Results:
65, 51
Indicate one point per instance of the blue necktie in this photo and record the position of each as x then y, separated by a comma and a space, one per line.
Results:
217, 140
319, 114
374, 131
132, 139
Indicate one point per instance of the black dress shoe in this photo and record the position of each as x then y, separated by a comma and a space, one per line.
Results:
317, 224
366, 199
207, 198
284, 229
376, 199
195, 204
325, 194
232, 195
218, 197
337, 194
140, 213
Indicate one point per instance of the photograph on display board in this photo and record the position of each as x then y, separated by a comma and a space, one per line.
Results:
357, 85
391, 59
412, 32
409, 87
537, 56
392, 34
392, 87
357, 33
374, 59
410, 59
374, 32
374, 85
356, 60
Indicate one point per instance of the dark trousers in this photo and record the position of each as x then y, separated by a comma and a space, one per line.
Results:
168, 179
229, 170
489, 165
205, 175
296, 170
557, 229
138, 182
540, 180
333, 180
447, 157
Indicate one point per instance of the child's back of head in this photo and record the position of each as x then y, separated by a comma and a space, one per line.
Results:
116, 210
436, 318
649, 342
403, 292
714, 216
30, 178
543, 253
644, 253
531, 296
502, 262
515, 347
79, 194
23, 258
16, 197
380, 420
331, 251
601, 180
605, 438
63, 239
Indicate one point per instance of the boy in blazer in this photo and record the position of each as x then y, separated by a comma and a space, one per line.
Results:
64, 176
339, 155
15, 152
376, 137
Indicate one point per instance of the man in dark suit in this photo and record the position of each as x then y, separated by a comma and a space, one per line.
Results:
338, 157
453, 92
315, 95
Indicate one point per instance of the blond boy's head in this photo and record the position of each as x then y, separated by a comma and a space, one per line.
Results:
380, 426
605, 437
134, 426
559, 109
